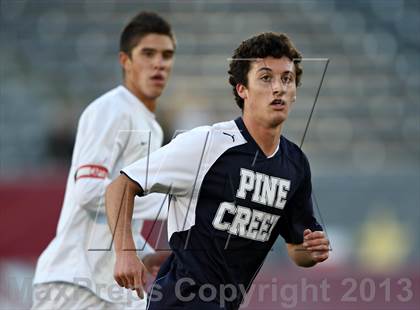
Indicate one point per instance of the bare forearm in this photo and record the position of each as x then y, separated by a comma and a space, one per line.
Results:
129, 271
119, 204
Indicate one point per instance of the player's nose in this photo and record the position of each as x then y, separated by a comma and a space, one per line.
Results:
158, 62
278, 87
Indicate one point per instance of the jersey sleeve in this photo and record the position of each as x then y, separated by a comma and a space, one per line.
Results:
298, 213
99, 142
173, 168
151, 207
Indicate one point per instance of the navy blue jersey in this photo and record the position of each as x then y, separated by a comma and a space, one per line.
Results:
229, 202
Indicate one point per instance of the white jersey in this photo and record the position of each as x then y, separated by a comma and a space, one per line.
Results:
114, 131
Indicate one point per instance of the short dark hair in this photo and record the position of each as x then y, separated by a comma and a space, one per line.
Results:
141, 25
260, 46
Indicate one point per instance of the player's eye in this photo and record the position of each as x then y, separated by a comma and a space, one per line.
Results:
167, 55
148, 53
266, 78
287, 79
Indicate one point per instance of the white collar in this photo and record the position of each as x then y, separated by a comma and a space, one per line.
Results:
133, 99
274, 151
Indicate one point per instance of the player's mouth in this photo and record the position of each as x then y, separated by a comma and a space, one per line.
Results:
158, 79
278, 104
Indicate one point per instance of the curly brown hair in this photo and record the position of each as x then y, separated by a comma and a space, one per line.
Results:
260, 46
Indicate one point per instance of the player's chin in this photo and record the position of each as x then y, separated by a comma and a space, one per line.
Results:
277, 119
155, 92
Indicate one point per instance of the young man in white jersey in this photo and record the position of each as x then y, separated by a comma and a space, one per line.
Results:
115, 130
235, 187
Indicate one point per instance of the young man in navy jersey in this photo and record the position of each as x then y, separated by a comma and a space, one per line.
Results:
233, 187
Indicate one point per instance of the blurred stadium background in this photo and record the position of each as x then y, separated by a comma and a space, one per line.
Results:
363, 141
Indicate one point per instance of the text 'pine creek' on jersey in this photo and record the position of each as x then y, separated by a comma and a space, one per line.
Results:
248, 223
229, 201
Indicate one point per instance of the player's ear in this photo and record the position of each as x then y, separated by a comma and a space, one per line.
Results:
242, 91
125, 61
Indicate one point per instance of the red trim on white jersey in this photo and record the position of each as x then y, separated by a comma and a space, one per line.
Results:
91, 171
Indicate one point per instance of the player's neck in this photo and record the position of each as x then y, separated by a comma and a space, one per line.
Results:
266, 137
150, 104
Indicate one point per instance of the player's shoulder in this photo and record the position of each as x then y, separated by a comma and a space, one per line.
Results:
228, 133
215, 138
290, 147
108, 106
227, 125
221, 130
293, 152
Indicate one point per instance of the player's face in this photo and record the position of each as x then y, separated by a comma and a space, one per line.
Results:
271, 90
148, 67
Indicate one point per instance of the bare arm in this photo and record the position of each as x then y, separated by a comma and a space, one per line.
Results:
119, 204
313, 250
129, 271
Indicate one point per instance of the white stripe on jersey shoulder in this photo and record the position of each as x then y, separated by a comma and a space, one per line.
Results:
228, 130
223, 136
225, 133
